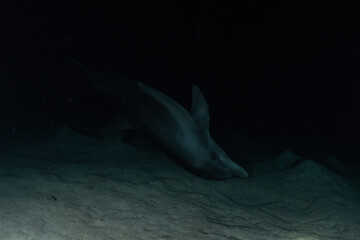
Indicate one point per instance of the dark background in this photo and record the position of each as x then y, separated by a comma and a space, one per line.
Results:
280, 72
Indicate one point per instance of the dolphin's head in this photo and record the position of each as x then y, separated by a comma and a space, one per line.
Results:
200, 154
212, 168
219, 155
218, 158
213, 163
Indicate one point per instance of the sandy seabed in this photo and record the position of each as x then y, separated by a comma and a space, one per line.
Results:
73, 187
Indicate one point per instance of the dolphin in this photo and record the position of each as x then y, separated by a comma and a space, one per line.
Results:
185, 135
181, 134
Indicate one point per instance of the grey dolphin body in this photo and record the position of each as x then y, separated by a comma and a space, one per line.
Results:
185, 136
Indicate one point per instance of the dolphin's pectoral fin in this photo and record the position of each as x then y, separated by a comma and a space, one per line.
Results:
200, 109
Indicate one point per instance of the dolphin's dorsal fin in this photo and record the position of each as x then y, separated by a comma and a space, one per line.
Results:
200, 109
